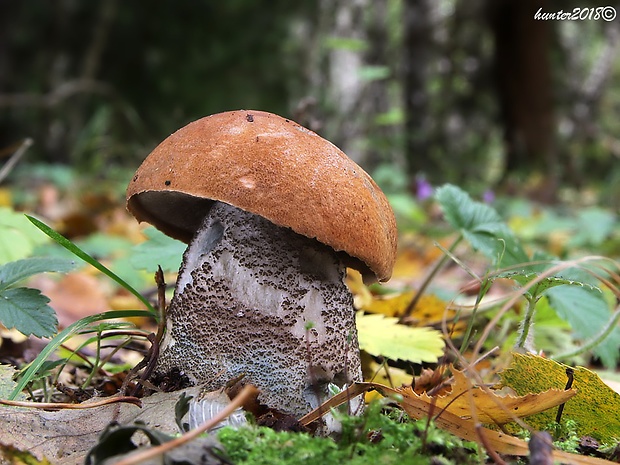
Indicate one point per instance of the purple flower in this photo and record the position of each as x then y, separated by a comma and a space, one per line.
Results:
488, 196
424, 189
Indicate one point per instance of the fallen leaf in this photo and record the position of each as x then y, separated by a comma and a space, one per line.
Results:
418, 408
384, 374
66, 436
595, 408
20, 457
491, 408
430, 310
7, 373
382, 336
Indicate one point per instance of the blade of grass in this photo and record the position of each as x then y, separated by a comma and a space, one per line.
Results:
74, 249
61, 337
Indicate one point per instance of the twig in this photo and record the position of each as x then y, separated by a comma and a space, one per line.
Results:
8, 166
570, 373
246, 393
149, 361
489, 449
429, 278
83, 405
161, 302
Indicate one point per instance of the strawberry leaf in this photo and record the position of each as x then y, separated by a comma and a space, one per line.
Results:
27, 311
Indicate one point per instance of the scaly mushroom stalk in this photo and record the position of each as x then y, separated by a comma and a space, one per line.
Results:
258, 299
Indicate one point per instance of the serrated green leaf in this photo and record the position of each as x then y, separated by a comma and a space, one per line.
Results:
27, 311
7, 373
461, 211
482, 226
14, 272
587, 312
160, 250
524, 278
17, 236
383, 336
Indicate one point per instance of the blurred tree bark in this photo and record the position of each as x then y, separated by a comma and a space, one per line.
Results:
349, 67
417, 53
345, 61
525, 89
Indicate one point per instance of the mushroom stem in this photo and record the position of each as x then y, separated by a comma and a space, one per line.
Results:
257, 299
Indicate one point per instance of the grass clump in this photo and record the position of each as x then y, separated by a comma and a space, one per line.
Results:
380, 435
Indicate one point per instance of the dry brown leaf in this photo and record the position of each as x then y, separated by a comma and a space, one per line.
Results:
466, 429
490, 407
430, 380
66, 436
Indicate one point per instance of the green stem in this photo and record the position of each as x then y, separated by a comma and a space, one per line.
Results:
528, 321
34, 366
484, 288
429, 278
95, 369
607, 330
71, 247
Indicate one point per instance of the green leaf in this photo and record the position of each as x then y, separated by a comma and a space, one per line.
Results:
14, 272
462, 212
104, 245
374, 72
7, 373
346, 43
27, 311
524, 278
594, 226
588, 313
17, 236
481, 225
382, 336
67, 244
160, 250
65, 334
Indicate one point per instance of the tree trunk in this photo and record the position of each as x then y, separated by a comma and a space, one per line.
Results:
524, 86
417, 52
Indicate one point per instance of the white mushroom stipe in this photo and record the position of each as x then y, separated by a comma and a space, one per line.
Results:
257, 299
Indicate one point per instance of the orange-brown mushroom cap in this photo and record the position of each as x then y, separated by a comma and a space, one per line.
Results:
272, 167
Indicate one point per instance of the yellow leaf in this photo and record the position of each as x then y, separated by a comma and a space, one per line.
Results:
361, 295
384, 374
595, 408
492, 408
384, 337
430, 310
6, 199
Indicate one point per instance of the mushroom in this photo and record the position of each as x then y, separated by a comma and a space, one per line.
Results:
273, 215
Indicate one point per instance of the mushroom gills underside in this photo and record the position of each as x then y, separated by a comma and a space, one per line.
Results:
256, 299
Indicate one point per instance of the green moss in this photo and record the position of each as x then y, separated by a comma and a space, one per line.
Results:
376, 437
